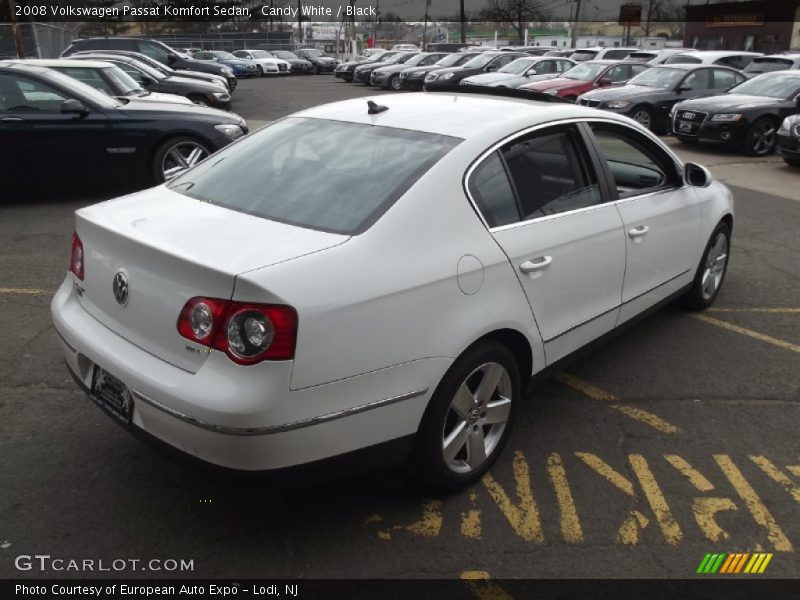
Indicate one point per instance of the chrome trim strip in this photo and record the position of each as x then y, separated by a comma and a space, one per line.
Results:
272, 429
620, 305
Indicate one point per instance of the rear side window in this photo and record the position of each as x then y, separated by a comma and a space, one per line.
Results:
549, 175
492, 192
327, 175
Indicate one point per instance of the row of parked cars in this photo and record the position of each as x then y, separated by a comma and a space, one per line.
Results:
737, 99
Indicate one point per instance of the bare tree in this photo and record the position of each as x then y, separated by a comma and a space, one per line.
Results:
662, 11
517, 13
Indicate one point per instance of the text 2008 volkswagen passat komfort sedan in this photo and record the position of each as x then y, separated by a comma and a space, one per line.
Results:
385, 278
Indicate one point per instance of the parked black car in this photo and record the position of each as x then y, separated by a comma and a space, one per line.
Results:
345, 70
155, 50
218, 80
485, 62
648, 97
747, 117
296, 64
363, 73
413, 78
389, 76
95, 137
320, 62
789, 140
199, 92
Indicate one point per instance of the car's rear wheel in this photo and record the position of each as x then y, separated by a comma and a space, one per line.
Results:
469, 417
643, 116
711, 271
176, 155
760, 138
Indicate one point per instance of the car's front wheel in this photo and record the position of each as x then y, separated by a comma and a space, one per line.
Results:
395, 83
260, 71
469, 417
643, 116
174, 156
760, 138
711, 271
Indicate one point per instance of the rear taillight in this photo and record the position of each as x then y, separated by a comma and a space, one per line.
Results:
248, 333
76, 257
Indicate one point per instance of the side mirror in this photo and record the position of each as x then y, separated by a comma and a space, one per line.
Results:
171, 58
696, 175
797, 101
604, 82
147, 80
491, 68
73, 107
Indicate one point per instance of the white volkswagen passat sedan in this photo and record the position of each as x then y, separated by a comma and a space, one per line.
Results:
381, 279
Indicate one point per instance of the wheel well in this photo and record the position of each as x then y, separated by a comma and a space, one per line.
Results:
519, 346
728, 220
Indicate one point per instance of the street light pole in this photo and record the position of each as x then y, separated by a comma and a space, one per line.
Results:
575, 25
15, 30
463, 24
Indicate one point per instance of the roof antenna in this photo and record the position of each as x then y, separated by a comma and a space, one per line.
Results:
374, 109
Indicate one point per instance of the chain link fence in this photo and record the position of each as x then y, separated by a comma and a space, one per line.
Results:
39, 40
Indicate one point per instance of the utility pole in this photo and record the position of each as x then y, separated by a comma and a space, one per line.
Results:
375, 26
463, 24
300, 19
15, 29
575, 25
425, 28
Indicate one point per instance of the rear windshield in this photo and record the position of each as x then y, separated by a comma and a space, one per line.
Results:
582, 55
327, 175
766, 65
682, 59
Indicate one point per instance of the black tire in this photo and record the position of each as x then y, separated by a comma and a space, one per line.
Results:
428, 456
156, 169
752, 138
314, 70
695, 298
646, 113
394, 83
792, 162
260, 71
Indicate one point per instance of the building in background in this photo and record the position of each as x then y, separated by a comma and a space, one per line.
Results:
759, 26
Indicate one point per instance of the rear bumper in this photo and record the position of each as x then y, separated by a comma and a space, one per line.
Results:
246, 418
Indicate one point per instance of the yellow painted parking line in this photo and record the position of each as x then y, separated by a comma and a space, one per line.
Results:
748, 332
595, 393
570, 524
24, 291
480, 583
695, 477
755, 309
777, 476
523, 516
754, 504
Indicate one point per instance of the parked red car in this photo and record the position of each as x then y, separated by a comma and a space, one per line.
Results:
587, 76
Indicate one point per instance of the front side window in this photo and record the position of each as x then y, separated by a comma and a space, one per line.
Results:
549, 173
517, 67
698, 80
618, 74
635, 165
725, 80
326, 175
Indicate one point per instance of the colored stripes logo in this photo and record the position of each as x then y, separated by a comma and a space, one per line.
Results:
738, 562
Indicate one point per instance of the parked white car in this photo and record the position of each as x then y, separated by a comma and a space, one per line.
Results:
266, 63
729, 58
359, 277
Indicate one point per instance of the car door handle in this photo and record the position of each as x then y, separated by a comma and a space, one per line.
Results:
638, 232
537, 264
11, 120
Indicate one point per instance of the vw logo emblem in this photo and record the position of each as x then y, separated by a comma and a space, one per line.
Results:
121, 288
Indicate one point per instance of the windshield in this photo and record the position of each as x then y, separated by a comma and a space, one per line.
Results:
221, 54
479, 61
95, 96
285, 55
785, 86
260, 54
452, 59
401, 58
683, 59
326, 175
122, 81
658, 78
517, 67
766, 65
154, 73
584, 72
641, 56
380, 57
416, 59
582, 55
313, 52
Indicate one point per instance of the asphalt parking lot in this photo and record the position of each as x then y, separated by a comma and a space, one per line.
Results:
676, 439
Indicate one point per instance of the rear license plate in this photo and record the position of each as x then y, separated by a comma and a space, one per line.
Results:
113, 396
684, 126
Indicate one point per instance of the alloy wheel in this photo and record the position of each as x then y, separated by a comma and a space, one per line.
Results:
180, 157
716, 261
643, 117
762, 139
477, 416
395, 83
